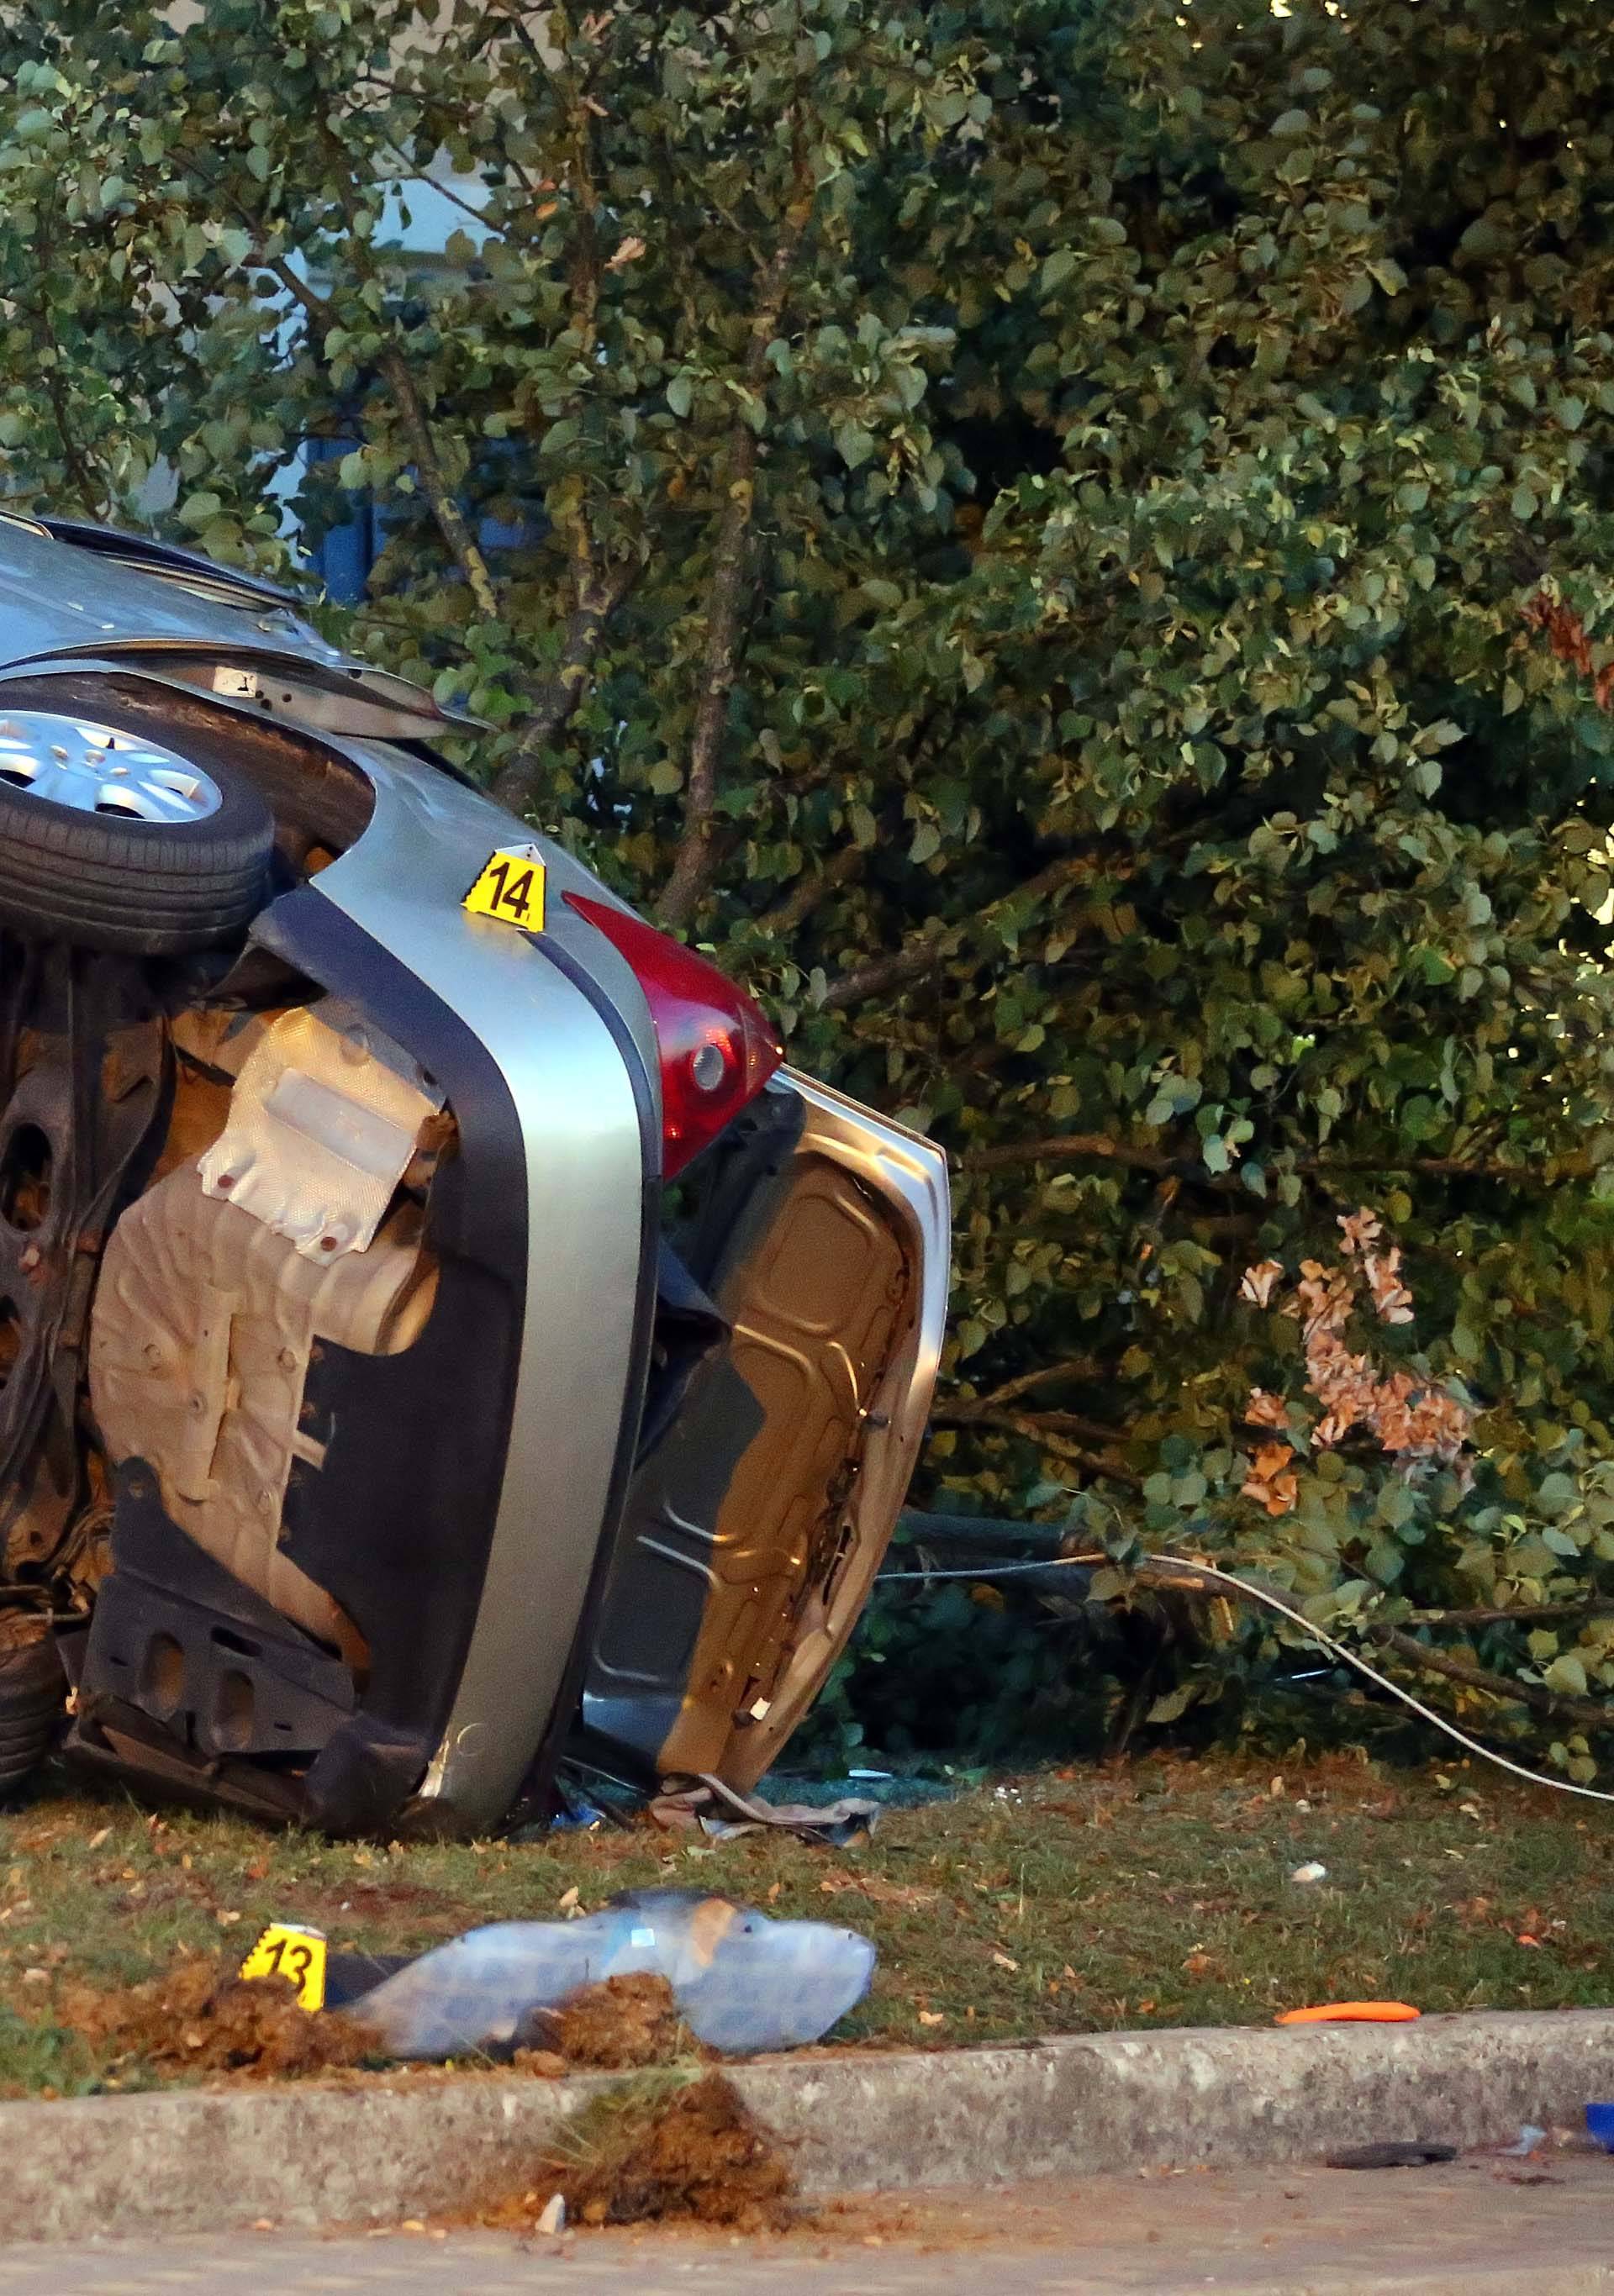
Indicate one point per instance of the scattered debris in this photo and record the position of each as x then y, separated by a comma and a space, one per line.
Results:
665, 2147
1393, 2156
621, 2025
740, 1981
1350, 2013
1310, 1872
195, 2019
692, 2155
724, 1815
1530, 2140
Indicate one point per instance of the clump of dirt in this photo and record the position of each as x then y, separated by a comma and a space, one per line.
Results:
654, 2153
542, 2065
195, 2019
620, 2026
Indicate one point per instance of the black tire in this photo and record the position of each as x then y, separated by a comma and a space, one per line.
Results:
144, 889
33, 1690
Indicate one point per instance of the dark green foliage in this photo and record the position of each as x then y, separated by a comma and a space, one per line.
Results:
1070, 544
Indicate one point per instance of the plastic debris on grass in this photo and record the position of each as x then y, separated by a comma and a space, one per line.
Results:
724, 1815
1599, 2125
740, 1981
1350, 2013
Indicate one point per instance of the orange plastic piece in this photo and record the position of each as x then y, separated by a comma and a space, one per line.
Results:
1351, 2012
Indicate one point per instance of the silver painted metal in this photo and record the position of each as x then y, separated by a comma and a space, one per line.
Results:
58, 601
93, 768
403, 883
54, 597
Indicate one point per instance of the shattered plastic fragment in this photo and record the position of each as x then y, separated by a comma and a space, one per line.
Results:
1350, 2013
1393, 2156
722, 1815
741, 1982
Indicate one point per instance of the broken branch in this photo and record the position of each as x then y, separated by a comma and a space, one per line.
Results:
932, 949
1585, 1711
693, 860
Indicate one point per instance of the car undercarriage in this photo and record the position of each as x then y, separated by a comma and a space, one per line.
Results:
432, 1344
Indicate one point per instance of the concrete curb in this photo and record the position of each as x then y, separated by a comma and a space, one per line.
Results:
307, 2155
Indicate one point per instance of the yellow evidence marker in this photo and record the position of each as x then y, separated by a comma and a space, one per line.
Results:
297, 1954
510, 889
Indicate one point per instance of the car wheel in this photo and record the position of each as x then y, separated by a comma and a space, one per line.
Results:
110, 840
32, 1689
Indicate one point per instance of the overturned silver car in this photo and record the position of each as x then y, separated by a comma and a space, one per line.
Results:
373, 1436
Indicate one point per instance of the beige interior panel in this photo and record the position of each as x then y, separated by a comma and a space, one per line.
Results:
200, 1339
817, 1316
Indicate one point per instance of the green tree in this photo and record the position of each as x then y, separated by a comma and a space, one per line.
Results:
1071, 544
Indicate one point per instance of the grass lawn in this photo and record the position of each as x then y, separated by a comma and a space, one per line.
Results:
1070, 1901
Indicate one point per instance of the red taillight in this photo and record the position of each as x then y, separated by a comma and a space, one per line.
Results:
717, 1050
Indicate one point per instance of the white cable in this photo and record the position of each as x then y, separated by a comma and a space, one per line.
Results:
1316, 1633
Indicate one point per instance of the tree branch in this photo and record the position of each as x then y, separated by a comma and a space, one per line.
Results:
692, 861
1080, 1147
595, 599
393, 366
932, 949
1032, 1429
1075, 1147
1078, 1367
1043, 1423
452, 524
811, 887
1538, 1614
517, 784
1585, 1711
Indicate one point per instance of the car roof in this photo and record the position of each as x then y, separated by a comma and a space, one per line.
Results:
71, 589
57, 593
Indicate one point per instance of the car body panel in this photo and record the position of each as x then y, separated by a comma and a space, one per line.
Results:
757, 1521
543, 1043
53, 597
402, 884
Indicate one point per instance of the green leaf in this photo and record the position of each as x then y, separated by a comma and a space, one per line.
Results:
1171, 1704
680, 394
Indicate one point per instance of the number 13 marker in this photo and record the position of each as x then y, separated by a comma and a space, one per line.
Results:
297, 1954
